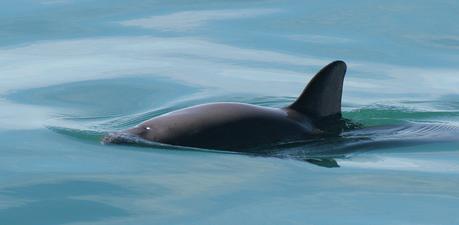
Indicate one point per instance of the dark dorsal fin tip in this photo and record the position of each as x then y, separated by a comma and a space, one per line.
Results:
322, 96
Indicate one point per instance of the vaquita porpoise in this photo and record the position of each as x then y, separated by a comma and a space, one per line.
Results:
240, 127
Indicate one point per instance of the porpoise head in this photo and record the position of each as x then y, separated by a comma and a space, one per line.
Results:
139, 134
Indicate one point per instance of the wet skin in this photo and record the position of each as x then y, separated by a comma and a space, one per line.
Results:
239, 126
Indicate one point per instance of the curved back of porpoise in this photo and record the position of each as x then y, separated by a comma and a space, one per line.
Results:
322, 96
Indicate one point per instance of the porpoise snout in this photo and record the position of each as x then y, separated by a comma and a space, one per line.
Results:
120, 138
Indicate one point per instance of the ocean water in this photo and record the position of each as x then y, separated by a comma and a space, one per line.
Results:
72, 70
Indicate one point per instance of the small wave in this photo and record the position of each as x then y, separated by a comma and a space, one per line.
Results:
81, 134
366, 128
392, 114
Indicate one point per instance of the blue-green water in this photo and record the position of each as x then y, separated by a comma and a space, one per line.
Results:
73, 69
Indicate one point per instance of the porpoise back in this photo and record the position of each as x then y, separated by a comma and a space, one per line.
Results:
242, 127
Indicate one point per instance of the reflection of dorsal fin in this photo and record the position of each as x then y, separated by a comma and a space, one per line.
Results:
322, 97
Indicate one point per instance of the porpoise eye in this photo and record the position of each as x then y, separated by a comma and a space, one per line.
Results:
147, 128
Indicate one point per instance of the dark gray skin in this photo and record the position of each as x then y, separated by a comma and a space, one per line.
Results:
227, 126
240, 127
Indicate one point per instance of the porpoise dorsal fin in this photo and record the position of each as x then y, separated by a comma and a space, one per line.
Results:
322, 96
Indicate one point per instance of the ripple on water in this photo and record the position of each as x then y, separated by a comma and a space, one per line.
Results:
381, 127
108, 97
45, 201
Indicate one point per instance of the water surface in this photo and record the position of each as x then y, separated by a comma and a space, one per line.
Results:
74, 69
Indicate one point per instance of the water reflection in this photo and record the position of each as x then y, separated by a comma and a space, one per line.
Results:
119, 96
62, 63
60, 202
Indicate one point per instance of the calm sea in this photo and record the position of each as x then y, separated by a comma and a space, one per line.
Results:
72, 70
